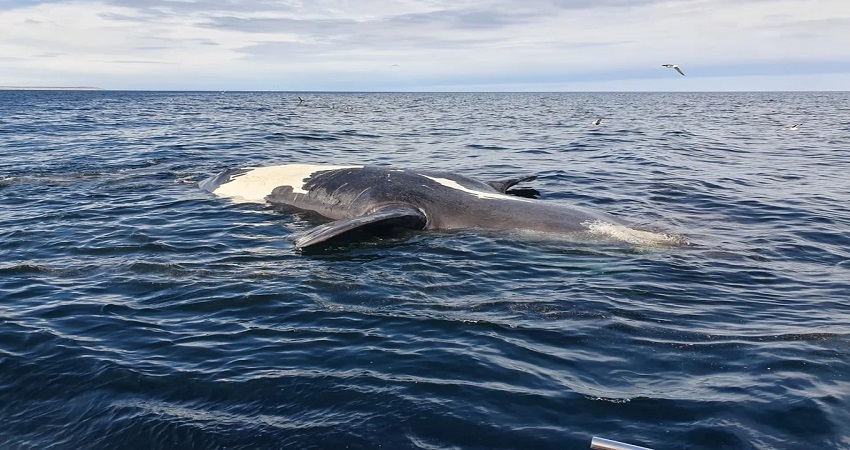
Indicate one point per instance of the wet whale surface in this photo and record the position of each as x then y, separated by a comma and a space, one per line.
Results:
371, 199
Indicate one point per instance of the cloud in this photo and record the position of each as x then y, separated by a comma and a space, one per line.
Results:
337, 44
131, 61
171, 8
279, 25
468, 19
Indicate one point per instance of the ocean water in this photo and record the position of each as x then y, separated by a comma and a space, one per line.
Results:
137, 311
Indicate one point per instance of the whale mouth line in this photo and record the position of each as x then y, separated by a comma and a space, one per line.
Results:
480, 194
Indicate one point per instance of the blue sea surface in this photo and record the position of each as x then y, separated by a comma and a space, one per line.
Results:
138, 311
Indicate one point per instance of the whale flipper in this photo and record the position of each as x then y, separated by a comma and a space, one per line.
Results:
226, 176
503, 185
388, 217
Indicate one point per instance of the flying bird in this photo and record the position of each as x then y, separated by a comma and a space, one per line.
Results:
300, 100
673, 66
597, 122
794, 127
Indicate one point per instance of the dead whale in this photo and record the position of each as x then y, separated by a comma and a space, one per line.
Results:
371, 199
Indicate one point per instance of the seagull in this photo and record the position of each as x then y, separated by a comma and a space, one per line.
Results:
794, 127
300, 100
597, 122
673, 66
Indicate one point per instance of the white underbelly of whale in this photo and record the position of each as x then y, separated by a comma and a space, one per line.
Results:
258, 182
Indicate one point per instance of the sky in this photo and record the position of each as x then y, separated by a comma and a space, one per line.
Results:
427, 45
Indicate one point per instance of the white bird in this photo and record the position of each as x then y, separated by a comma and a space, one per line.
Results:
673, 66
794, 127
597, 122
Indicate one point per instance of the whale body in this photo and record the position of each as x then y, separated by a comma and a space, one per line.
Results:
371, 199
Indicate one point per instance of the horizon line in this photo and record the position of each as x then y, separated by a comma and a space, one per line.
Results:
221, 91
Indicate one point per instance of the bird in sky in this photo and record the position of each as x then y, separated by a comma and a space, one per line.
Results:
673, 66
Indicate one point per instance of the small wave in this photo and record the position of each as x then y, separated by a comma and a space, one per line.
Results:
313, 137
7, 180
485, 147
355, 133
23, 269
596, 398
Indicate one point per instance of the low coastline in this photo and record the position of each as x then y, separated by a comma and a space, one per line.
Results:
49, 88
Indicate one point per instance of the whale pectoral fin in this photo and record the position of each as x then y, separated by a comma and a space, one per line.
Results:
394, 216
503, 185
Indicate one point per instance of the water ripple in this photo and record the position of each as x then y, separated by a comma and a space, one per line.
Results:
137, 308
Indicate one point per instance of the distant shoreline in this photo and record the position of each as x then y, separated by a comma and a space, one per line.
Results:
49, 88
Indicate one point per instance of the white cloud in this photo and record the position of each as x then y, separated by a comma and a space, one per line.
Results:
329, 45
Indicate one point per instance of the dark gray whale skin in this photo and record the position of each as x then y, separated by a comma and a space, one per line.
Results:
372, 198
